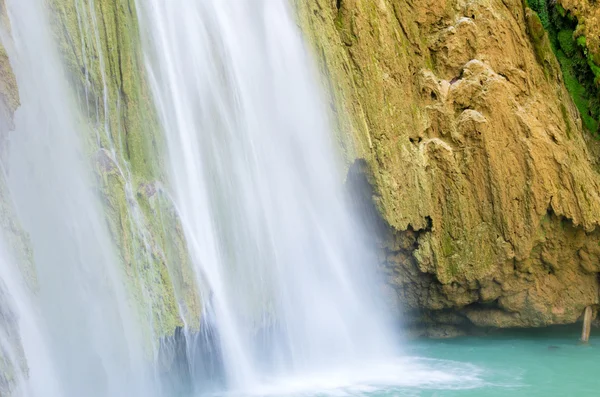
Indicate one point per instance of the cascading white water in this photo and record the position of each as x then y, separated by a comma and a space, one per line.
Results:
259, 191
89, 332
21, 333
289, 291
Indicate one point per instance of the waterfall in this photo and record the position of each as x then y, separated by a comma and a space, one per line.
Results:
176, 219
287, 278
239, 265
93, 344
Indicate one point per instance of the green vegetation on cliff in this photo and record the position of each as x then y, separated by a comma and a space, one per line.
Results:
580, 72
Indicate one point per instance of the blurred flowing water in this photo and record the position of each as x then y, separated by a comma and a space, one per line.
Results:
87, 341
288, 278
291, 303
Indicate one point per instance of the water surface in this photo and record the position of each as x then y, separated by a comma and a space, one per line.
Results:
540, 363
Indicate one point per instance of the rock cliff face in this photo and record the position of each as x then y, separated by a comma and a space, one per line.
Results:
481, 169
100, 44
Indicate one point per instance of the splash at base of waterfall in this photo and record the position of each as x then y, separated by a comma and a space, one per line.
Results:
371, 379
526, 363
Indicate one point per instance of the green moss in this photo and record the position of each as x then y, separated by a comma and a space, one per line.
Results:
581, 74
163, 219
565, 115
447, 245
595, 69
577, 90
561, 10
100, 45
541, 44
153, 274
536, 28
102, 51
566, 42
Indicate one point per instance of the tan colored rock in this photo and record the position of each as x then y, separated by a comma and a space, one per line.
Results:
474, 146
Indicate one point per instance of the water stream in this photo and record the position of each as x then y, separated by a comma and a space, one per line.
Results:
82, 312
289, 277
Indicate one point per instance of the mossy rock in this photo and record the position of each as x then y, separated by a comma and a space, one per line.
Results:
152, 250
541, 9
536, 28
101, 49
581, 74
567, 44
541, 44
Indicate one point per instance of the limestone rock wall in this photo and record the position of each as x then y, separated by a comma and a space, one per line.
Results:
478, 159
100, 44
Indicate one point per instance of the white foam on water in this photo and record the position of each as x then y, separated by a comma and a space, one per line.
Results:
372, 378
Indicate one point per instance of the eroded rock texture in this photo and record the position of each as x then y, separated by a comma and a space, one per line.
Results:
481, 169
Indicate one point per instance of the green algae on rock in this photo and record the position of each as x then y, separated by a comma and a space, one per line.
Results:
100, 45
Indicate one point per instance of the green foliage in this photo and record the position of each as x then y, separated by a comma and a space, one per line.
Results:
541, 8
578, 91
581, 74
566, 42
